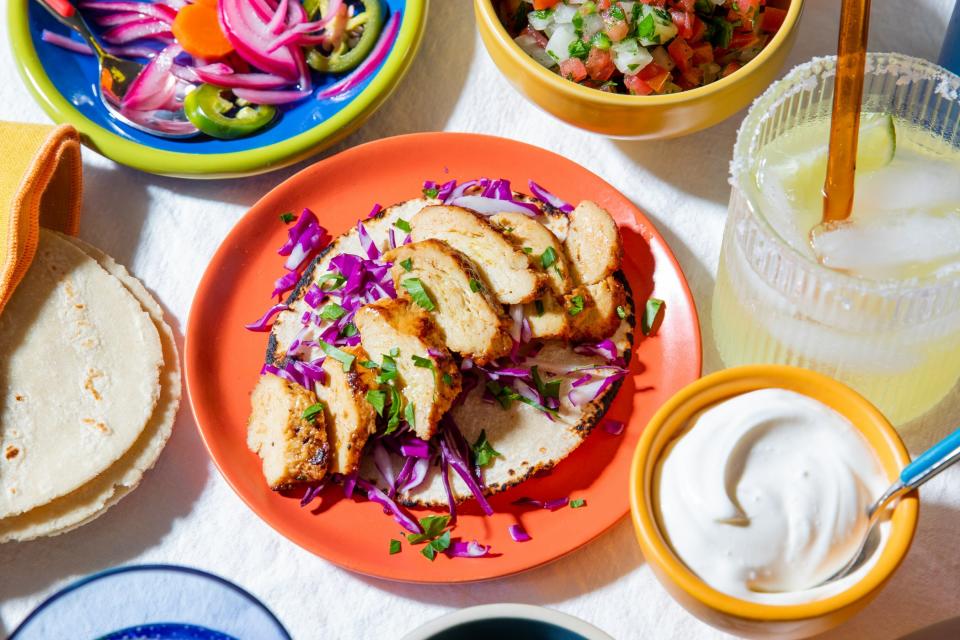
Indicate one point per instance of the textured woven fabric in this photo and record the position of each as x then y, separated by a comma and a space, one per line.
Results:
41, 184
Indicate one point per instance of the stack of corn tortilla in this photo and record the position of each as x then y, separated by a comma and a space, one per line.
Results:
89, 389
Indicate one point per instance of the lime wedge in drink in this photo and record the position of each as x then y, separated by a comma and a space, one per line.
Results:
799, 166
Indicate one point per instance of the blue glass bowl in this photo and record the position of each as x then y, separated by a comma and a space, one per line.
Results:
64, 83
151, 602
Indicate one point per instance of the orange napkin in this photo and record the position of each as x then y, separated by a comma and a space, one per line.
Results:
41, 183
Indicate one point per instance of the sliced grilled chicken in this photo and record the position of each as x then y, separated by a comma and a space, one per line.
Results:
349, 417
593, 309
293, 446
471, 319
593, 243
545, 316
505, 268
428, 377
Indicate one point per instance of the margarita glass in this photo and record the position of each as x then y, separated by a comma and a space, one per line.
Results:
875, 302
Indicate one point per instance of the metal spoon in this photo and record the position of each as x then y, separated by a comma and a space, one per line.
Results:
116, 75
930, 463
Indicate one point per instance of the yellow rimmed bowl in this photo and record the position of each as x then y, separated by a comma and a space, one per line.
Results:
733, 615
636, 117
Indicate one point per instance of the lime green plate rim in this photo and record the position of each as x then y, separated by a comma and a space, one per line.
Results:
217, 165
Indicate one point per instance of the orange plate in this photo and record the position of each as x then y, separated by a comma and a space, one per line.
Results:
223, 359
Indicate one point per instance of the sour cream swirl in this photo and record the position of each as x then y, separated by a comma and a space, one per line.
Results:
764, 496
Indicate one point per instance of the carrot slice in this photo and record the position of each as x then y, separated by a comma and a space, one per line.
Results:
197, 30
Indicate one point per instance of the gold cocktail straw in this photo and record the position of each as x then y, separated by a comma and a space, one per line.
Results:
845, 122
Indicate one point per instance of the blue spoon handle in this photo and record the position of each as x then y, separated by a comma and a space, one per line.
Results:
932, 461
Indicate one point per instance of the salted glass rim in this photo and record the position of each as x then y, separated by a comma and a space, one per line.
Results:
808, 77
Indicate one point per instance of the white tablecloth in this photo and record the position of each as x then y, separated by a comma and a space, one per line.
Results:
165, 230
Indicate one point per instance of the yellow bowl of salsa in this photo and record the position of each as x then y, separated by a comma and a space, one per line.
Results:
675, 108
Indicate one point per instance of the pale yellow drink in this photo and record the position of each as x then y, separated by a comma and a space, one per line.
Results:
875, 302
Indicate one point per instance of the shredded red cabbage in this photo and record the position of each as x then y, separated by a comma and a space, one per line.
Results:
518, 533
545, 196
613, 427
266, 321
472, 549
389, 506
551, 505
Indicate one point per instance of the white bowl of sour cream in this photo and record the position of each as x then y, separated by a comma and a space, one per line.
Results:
749, 490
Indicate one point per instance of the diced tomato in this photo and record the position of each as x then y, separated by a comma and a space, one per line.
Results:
650, 71
600, 65
655, 76
655, 3
636, 86
615, 28
746, 11
539, 36
693, 75
681, 19
573, 69
730, 68
699, 30
744, 40
703, 53
771, 19
544, 4
681, 53
603, 5
685, 5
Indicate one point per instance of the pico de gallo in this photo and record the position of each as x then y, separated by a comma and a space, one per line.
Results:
641, 47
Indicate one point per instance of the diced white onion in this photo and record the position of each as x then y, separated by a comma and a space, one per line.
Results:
539, 23
530, 47
563, 13
559, 43
629, 57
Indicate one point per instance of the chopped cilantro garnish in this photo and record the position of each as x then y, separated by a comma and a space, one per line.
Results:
343, 357
408, 414
548, 389
447, 379
402, 224
311, 412
395, 352
415, 288
548, 258
407, 264
646, 28
432, 527
436, 546
483, 451
722, 33
621, 312
349, 330
542, 14
287, 217
332, 311
576, 305
505, 396
601, 41
538, 305
616, 12
377, 400
420, 361
388, 370
369, 364
394, 547
579, 502
579, 49
336, 280
528, 249
393, 417
652, 316
431, 193
577, 21
475, 285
